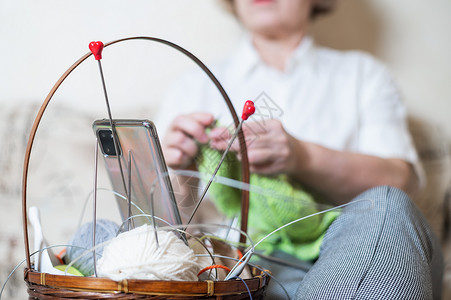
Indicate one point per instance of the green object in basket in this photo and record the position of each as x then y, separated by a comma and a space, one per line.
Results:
279, 202
71, 270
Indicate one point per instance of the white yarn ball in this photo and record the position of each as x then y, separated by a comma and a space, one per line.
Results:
134, 255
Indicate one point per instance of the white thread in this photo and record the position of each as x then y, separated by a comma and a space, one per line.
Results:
134, 255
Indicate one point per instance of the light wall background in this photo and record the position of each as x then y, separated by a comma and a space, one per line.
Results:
40, 39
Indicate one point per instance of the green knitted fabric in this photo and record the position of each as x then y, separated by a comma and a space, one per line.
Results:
283, 201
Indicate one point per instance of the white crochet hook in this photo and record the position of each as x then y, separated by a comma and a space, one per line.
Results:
45, 259
239, 267
248, 110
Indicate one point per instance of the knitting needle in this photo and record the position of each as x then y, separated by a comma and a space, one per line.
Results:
129, 195
239, 266
96, 49
152, 211
248, 110
94, 207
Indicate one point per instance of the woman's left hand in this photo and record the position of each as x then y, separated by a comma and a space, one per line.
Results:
337, 175
270, 149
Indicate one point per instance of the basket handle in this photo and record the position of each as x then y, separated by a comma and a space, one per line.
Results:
243, 150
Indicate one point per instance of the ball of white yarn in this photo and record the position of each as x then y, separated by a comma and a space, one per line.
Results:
135, 255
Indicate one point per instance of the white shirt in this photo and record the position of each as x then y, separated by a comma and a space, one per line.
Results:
340, 100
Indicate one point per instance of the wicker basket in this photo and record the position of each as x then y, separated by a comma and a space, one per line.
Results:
48, 286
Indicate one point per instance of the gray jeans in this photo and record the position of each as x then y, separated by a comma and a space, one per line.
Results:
376, 249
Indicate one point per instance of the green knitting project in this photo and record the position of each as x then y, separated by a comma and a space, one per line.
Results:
283, 201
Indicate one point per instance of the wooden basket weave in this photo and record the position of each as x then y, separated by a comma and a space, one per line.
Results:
48, 286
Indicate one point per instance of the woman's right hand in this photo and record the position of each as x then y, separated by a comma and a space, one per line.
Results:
180, 144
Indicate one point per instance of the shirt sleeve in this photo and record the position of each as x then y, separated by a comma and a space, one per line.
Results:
383, 128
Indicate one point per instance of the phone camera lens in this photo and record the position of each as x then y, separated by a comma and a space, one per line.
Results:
107, 142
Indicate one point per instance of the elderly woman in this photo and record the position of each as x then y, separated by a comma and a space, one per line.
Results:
333, 123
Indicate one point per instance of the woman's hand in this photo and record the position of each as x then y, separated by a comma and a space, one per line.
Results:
180, 143
270, 149
337, 175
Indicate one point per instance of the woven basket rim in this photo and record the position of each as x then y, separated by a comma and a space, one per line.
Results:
149, 287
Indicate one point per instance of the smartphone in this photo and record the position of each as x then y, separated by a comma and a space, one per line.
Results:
137, 169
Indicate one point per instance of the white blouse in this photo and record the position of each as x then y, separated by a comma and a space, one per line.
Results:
340, 100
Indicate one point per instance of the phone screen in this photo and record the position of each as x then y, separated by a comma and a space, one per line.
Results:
144, 173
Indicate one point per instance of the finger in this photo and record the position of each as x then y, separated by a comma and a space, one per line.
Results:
179, 149
222, 145
272, 135
265, 169
270, 127
183, 142
262, 161
259, 156
193, 125
256, 127
219, 138
219, 133
223, 142
175, 158
190, 127
206, 119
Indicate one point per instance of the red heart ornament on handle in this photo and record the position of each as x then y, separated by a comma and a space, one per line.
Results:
96, 49
248, 110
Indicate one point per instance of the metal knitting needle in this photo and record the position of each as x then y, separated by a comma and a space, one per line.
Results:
152, 211
248, 110
94, 208
96, 49
129, 194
